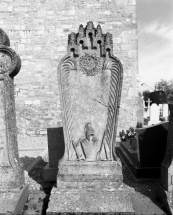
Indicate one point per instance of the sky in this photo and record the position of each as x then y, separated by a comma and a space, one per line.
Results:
155, 40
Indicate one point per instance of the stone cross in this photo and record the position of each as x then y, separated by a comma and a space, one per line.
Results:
11, 173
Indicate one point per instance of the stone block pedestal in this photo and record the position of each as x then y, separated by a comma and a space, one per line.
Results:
89, 174
89, 187
11, 171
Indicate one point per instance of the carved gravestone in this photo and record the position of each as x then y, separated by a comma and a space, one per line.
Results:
11, 173
90, 79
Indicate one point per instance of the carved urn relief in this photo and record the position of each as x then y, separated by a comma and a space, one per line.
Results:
90, 80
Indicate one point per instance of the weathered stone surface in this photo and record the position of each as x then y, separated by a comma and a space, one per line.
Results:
89, 174
85, 200
90, 79
89, 187
13, 201
11, 173
90, 168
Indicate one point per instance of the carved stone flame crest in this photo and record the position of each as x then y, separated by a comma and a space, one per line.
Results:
90, 64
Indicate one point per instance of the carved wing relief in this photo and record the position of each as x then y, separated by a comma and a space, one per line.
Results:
66, 72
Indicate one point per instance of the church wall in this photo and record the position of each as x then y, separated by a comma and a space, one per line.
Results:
38, 31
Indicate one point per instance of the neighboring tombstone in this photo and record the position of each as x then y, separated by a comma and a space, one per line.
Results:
144, 155
154, 114
152, 144
12, 197
167, 164
165, 111
11, 173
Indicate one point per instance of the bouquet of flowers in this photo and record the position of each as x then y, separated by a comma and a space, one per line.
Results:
126, 135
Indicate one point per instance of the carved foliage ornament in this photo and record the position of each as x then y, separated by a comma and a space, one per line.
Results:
90, 64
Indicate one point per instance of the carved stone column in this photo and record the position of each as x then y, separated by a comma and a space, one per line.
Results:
11, 172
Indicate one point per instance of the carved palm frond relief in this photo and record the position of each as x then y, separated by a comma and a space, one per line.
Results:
67, 66
114, 94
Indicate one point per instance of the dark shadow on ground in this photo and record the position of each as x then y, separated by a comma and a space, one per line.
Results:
143, 189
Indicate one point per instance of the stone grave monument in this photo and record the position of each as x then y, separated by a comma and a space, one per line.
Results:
90, 80
145, 155
167, 164
11, 172
154, 114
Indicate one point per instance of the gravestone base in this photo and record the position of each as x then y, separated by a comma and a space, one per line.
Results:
84, 187
83, 174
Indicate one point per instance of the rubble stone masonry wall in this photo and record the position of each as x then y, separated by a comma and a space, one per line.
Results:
38, 31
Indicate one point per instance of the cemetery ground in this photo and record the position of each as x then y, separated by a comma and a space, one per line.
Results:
144, 195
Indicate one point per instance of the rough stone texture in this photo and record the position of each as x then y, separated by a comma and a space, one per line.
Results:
89, 187
85, 200
13, 201
167, 164
39, 30
139, 193
89, 174
11, 173
90, 79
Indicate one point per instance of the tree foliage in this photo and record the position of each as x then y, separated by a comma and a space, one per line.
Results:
167, 87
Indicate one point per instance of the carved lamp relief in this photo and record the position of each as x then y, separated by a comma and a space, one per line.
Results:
90, 79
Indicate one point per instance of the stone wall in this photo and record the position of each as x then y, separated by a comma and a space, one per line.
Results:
38, 32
